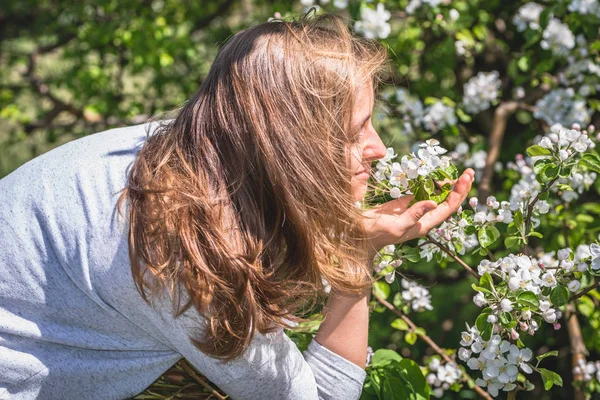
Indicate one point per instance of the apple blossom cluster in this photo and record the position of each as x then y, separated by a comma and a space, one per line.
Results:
553, 158
373, 22
585, 7
414, 173
563, 107
441, 377
587, 370
416, 296
580, 65
528, 16
518, 293
476, 160
432, 118
453, 234
414, 5
558, 38
481, 91
438, 116
498, 360
570, 187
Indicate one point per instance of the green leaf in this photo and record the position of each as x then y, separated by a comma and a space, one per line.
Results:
559, 296
480, 289
384, 356
484, 327
410, 338
464, 117
540, 164
523, 63
548, 173
536, 234
537, 150
420, 192
550, 378
429, 186
529, 299
411, 254
382, 289
512, 241
590, 161
418, 383
487, 282
400, 325
506, 318
488, 235
553, 353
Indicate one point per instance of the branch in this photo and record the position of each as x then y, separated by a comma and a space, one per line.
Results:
192, 372
584, 292
501, 115
430, 343
203, 22
532, 205
42, 88
454, 256
578, 349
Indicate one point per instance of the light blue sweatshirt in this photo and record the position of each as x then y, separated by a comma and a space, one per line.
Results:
72, 323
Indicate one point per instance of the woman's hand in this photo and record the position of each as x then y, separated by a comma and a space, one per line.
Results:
394, 222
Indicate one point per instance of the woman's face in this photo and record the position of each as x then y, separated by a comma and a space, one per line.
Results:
368, 147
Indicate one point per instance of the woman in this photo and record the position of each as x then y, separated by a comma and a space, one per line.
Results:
232, 215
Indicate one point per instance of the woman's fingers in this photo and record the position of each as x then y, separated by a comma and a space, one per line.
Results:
411, 217
445, 209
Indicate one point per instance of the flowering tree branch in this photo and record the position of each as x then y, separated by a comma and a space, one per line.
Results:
454, 256
434, 346
584, 292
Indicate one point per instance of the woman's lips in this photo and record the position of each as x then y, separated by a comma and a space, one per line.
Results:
362, 175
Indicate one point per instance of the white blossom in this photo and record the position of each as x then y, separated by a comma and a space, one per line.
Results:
481, 91
528, 16
373, 22
558, 38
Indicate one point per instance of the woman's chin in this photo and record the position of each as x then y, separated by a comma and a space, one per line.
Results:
359, 191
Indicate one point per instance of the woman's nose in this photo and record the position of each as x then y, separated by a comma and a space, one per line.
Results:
374, 148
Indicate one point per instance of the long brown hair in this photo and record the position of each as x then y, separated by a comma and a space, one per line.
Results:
244, 198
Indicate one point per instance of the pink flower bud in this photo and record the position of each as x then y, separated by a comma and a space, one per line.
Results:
591, 128
523, 326
541, 265
556, 326
514, 335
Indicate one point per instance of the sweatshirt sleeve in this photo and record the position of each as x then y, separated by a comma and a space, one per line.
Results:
271, 368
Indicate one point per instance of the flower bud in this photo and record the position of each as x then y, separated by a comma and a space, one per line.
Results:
556, 326
546, 143
523, 326
473, 202
563, 254
506, 305
514, 335
492, 319
574, 285
563, 154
